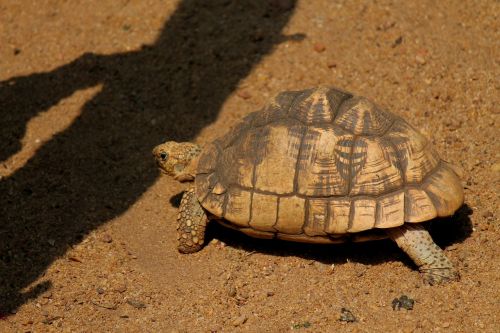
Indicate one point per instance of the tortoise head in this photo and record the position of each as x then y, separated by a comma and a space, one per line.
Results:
175, 158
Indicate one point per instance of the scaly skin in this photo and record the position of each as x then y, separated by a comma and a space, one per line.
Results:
435, 267
177, 159
191, 223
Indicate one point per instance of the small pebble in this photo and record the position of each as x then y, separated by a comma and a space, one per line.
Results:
402, 302
420, 59
136, 304
398, 41
231, 291
445, 325
347, 316
305, 324
331, 64
318, 47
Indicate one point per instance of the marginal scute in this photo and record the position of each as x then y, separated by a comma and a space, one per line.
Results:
374, 168
445, 191
360, 116
317, 214
276, 155
264, 211
238, 206
391, 210
318, 173
291, 213
416, 157
338, 219
418, 206
364, 214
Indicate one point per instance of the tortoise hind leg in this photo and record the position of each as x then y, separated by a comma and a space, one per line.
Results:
191, 223
435, 267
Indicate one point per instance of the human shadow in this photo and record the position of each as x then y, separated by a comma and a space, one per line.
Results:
101, 164
444, 231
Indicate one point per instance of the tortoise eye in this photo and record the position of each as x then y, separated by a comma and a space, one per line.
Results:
163, 156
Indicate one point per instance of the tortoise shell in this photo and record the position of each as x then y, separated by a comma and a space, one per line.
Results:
319, 164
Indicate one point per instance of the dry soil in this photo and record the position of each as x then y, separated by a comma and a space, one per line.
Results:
87, 224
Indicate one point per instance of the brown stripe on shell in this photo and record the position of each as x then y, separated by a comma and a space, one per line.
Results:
316, 218
314, 108
338, 217
360, 116
445, 190
374, 168
238, 206
416, 157
418, 206
318, 173
264, 212
343, 151
391, 210
336, 98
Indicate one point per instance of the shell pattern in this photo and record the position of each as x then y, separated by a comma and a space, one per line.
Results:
318, 164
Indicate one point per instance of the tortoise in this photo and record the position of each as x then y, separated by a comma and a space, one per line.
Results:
318, 166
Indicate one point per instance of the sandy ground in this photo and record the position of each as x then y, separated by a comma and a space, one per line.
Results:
87, 233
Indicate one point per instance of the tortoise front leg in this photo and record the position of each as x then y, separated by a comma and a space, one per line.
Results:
191, 223
435, 267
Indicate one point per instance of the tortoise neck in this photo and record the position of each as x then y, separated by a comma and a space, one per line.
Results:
189, 172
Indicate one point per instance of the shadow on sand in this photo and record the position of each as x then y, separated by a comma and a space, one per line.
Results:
98, 167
